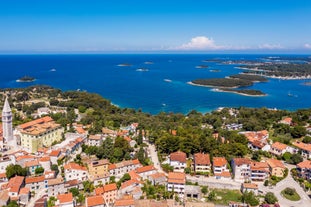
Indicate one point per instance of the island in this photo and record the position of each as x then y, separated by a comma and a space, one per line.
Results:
26, 79
232, 84
281, 71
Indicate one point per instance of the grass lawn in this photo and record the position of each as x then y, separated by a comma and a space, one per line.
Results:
227, 195
294, 197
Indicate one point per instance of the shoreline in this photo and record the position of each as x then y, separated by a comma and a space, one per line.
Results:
209, 86
243, 94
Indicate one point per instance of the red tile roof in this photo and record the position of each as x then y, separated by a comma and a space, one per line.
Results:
242, 161
34, 179
65, 198
219, 161
202, 159
275, 163
303, 146
305, 164
178, 156
55, 153
176, 177
24, 191
279, 146
124, 202
145, 169
74, 166
110, 187
95, 200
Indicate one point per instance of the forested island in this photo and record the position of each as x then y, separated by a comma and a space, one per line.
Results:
285, 71
232, 84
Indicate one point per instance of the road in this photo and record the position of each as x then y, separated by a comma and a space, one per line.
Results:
212, 182
37, 197
154, 157
288, 182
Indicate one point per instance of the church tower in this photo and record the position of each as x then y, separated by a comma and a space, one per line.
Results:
7, 121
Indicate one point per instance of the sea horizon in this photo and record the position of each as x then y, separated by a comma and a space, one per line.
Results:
148, 89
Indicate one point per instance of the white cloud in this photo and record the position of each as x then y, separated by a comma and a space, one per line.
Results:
270, 46
200, 43
308, 46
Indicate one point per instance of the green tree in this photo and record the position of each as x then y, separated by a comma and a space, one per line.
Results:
54, 167
204, 189
13, 204
13, 170
270, 198
74, 191
306, 139
141, 156
250, 198
39, 170
298, 131
88, 186
212, 196
296, 158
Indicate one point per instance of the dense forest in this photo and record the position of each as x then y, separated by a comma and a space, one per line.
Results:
283, 70
223, 82
253, 78
194, 131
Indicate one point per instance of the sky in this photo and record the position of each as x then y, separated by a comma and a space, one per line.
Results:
155, 26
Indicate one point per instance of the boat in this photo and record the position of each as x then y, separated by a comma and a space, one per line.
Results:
124, 65
53, 70
201, 66
142, 69
167, 80
148, 62
26, 79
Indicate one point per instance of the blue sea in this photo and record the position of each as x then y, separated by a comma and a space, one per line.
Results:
157, 87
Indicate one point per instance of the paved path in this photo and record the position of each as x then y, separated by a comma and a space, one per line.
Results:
288, 182
37, 197
154, 157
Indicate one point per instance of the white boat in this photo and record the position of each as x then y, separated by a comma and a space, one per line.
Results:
53, 70
167, 80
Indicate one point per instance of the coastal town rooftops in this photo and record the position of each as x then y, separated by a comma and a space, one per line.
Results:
123, 164
250, 185
14, 184
242, 161
219, 161
260, 166
55, 181
96, 163
95, 201
275, 163
304, 164
202, 159
303, 146
125, 202
32, 163
145, 169
178, 156
110, 187
34, 179
65, 198
279, 146
38, 126
176, 177
95, 137
74, 166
